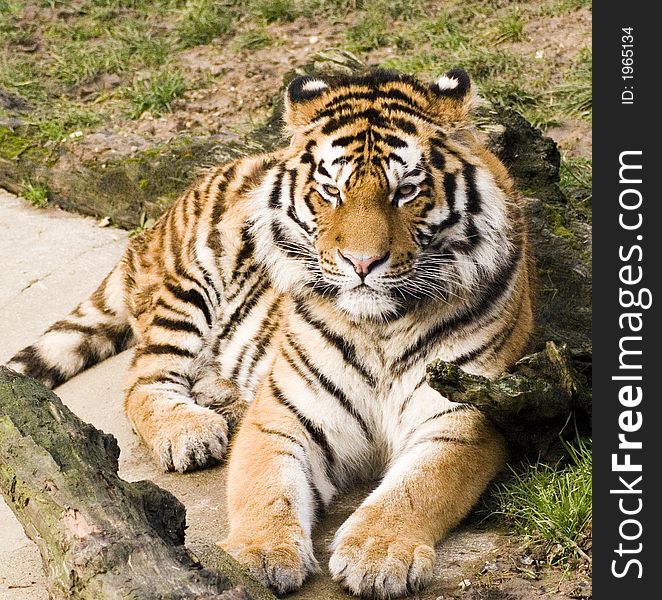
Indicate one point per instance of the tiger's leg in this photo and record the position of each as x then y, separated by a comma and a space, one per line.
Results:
276, 481
160, 401
386, 547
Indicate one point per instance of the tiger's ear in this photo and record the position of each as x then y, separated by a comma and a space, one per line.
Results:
303, 99
452, 98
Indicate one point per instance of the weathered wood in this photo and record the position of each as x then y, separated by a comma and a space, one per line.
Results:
99, 536
532, 401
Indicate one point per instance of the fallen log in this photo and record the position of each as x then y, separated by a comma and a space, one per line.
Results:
99, 536
532, 402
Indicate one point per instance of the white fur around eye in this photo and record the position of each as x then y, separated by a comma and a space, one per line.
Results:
400, 198
333, 199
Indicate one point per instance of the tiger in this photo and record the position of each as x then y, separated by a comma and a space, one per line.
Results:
293, 299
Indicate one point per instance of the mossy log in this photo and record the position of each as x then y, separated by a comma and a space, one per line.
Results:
532, 402
99, 536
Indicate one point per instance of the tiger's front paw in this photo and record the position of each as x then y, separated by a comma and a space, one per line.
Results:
188, 437
281, 564
375, 562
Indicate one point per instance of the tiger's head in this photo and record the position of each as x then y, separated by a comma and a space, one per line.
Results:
384, 197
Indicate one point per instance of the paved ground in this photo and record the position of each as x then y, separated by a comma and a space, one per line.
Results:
49, 261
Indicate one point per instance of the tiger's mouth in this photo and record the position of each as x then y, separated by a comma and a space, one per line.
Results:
363, 301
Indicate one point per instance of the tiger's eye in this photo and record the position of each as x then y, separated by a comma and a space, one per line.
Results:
331, 190
406, 190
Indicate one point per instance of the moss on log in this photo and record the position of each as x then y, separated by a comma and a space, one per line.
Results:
530, 403
99, 536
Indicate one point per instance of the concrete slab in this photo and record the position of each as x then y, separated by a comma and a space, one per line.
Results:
50, 261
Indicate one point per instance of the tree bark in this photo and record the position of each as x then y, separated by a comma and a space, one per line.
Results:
530, 403
99, 536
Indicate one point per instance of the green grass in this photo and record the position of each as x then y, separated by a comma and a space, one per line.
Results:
369, 33
253, 38
510, 29
202, 22
157, 93
575, 97
35, 193
552, 505
275, 10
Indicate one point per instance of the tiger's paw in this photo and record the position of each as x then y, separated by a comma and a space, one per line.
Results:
375, 563
188, 437
281, 564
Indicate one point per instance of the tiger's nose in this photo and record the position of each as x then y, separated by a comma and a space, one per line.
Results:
362, 264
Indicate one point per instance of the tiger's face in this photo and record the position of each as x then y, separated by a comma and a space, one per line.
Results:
379, 206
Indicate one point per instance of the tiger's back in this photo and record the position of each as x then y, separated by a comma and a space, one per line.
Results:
313, 285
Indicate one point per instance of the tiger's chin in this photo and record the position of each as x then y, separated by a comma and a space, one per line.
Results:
364, 303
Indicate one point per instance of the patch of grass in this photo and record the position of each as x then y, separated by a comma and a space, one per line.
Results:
203, 21
491, 65
561, 7
253, 38
139, 43
576, 184
157, 93
552, 505
575, 97
35, 193
509, 94
510, 29
66, 118
19, 74
144, 223
74, 62
274, 10
369, 33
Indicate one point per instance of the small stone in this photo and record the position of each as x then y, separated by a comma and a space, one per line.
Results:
313, 39
464, 584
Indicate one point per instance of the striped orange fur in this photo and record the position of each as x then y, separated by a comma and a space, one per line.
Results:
296, 298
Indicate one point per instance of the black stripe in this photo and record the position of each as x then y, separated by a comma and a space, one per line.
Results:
447, 439
406, 126
191, 296
473, 196
176, 379
450, 187
394, 157
493, 344
493, 290
448, 411
314, 431
161, 302
346, 348
286, 436
408, 399
163, 349
291, 212
265, 331
177, 325
317, 497
38, 368
245, 250
238, 315
329, 386
274, 196
471, 238
346, 140
437, 159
